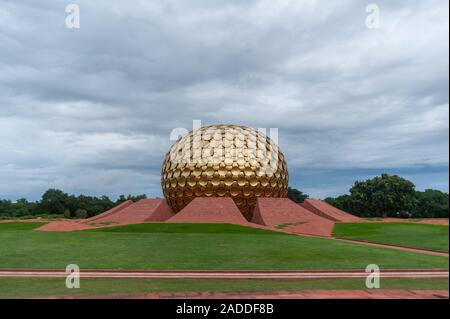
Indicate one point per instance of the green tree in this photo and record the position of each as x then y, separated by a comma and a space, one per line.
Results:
134, 198
296, 195
385, 195
431, 203
81, 213
67, 213
345, 203
54, 201
6, 207
21, 207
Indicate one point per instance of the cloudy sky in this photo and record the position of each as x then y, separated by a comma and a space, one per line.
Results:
90, 110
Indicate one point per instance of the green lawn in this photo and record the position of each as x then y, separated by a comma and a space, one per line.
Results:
186, 229
47, 287
19, 226
192, 246
406, 234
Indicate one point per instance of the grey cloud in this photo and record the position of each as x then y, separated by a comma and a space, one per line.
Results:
80, 108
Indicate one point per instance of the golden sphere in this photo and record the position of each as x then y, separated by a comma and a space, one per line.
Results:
224, 160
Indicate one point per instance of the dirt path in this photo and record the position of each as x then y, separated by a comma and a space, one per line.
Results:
227, 274
430, 221
416, 250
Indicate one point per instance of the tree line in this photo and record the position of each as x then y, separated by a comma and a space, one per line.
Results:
382, 196
391, 196
56, 202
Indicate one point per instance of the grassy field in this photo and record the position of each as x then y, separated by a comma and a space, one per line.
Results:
406, 234
163, 228
192, 246
47, 287
19, 226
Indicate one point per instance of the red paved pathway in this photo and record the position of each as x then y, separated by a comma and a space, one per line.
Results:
226, 274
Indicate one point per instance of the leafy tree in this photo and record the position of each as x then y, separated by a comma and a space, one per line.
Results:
67, 213
296, 195
20, 208
343, 202
53, 201
6, 207
431, 203
385, 195
81, 213
393, 196
134, 198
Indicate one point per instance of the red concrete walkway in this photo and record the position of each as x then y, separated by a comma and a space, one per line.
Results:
226, 274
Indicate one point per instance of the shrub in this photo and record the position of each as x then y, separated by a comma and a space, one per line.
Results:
81, 213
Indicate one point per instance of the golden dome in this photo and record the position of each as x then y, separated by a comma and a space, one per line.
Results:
224, 160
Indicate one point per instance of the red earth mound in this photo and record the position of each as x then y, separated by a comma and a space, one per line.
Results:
210, 210
145, 210
110, 212
432, 221
64, 225
284, 214
328, 211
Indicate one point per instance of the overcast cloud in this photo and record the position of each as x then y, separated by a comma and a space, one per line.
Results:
90, 110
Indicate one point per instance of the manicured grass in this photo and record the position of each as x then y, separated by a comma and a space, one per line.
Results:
46, 287
424, 236
196, 249
186, 229
19, 226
